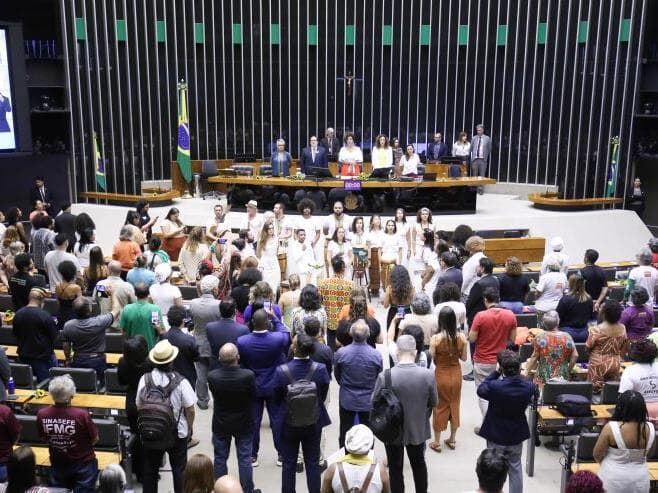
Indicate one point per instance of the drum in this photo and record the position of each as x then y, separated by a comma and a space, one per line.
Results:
283, 263
173, 246
387, 265
374, 271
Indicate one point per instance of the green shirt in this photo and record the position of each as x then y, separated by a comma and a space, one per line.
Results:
136, 319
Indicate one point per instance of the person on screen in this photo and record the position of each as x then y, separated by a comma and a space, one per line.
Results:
5, 107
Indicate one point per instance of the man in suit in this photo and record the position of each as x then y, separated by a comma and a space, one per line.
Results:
188, 350
313, 156
301, 367
415, 387
331, 143
224, 330
436, 149
65, 223
262, 352
480, 150
475, 300
234, 391
40, 192
505, 426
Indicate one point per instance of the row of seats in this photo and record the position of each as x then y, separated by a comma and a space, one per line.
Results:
113, 340
84, 379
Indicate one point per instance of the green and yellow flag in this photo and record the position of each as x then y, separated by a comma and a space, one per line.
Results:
612, 172
183, 155
99, 166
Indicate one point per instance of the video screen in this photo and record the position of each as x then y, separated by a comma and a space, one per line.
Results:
7, 123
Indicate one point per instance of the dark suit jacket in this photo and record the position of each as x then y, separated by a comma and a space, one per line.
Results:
321, 354
188, 353
436, 151
65, 223
299, 368
36, 195
234, 391
505, 422
332, 149
306, 159
475, 301
263, 352
219, 333
453, 274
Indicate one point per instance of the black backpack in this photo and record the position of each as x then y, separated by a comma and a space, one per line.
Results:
573, 405
386, 415
155, 415
302, 399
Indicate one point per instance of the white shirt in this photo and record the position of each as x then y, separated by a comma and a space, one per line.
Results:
461, 149
3, 230
391, 246
188, 262
52, 260
181, 398
299, 258
310, 225
221, 227
458, 307
350, 155
552, 286
164, 295
410, 164
253, 224
83, 255
469, 272
284, 227
375, 238
643, 379
563, 258
647, 277
124, 292
332, 223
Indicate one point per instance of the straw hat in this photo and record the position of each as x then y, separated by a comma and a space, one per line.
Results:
163, 353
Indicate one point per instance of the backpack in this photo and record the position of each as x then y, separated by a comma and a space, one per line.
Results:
302, 399
386, 414
573, 405
366, 482
155, 415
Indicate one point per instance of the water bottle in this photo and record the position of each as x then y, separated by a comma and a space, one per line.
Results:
11, 386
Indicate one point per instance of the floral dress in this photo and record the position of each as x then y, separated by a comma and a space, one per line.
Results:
554, 350
605, 353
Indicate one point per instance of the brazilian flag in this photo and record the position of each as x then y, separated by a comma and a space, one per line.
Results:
614, 164
183, 155
99, 166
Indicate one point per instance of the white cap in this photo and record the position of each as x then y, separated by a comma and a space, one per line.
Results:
162, 272
557, 244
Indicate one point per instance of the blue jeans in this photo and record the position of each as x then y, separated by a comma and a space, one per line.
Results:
222, 445
40, 367
272, 412
578, 334
97, 363
309, 438
81, 478
515, 472
514, 306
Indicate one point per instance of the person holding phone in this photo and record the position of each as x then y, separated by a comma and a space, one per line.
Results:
142, 317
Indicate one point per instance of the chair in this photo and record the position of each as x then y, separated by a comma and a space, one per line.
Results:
525, 351
610, 393
23, 376
360, 268
83, 378
51, 305
188, 292
109, 435
585, 447
7, 337
6, 303
114, 342
208, 170
112, 385
526, 320
30, 431
583, 352
553, 389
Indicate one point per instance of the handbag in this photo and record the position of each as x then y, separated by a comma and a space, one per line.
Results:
573, 406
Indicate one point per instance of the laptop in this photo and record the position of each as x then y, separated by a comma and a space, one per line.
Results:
383, 173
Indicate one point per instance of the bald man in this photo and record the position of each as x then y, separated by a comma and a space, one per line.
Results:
122, 290
234, 393
228, 484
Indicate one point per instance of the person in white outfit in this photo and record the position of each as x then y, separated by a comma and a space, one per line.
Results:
556, 245
301, 258
266, 251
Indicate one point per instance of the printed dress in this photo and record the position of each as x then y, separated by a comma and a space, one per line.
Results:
554, 350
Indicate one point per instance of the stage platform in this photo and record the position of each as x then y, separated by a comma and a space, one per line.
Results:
616, 234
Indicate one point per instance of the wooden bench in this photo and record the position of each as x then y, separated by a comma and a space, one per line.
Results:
529, 249
104, 458
111, 358
122, 198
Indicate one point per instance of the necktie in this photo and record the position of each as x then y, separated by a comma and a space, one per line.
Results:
313, 155
43, 194
477, 153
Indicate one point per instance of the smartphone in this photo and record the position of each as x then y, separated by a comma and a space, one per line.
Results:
155, 318
401, 311
267, 305
100, 289
221, 241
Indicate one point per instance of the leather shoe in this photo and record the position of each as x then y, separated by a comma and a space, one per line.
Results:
469, 377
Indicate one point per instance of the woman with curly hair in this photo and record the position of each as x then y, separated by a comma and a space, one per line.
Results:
643, 375
584, 482
459, 236
310, 305
358, 311
514, 286
173, 233
14, 216
638, 318
399, 293
194, 250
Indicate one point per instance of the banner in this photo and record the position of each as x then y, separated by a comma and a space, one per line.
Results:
183, 155
99, 166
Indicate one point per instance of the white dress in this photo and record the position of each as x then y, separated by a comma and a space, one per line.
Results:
269, 264
343, 250
402, 230
624, 470
418, 264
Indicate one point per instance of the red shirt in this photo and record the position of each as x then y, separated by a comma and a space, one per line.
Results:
9, 430
493, 327
70, 433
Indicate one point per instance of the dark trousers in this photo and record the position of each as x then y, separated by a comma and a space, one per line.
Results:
222, 446
40, 366
153, 459
97, 363
416, 454
81, 478
309, 438
272, 412
331, 339
348, 419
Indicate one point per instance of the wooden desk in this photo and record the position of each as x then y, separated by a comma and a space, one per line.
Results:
525, 249
551, 201
104, 458
475, 181
111, 358
594, 467
547, 414
88, 401
121, 198
21, 397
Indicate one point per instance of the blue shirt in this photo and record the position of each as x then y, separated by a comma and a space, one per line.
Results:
356, 368
138, 275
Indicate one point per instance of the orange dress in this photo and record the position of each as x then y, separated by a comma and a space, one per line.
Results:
605, 354
448, 376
